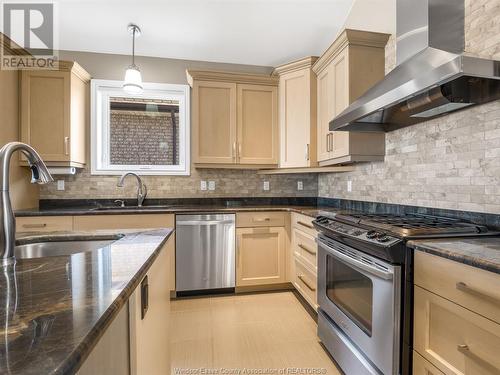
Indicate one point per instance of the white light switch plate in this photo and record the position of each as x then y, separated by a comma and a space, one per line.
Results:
203, 185
266, 185
60, 185
349, 185
300, 185
211, 185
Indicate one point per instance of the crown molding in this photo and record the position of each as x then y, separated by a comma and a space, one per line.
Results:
233, 77
304, 63
75, 68
7, 43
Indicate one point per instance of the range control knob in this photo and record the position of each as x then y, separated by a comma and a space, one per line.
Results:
383, 238
372, 234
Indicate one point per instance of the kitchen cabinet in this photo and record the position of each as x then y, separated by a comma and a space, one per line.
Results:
456, 325
44, 224
260, 256
297, 108
351, 65
54, 113
234, 120
422, 367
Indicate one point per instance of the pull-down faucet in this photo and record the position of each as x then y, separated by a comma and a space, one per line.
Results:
142, 190
39, 175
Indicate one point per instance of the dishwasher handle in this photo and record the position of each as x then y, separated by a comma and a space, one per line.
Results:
193, 223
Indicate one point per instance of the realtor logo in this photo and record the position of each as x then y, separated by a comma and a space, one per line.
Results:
30, 28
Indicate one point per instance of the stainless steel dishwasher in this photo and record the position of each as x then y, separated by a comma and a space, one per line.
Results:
205, 253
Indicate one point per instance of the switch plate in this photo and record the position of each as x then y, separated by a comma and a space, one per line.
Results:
60, 185
211, 185
300, 185
266, 185
203, 185
349, 186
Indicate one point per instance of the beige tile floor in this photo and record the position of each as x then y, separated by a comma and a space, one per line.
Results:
270, 331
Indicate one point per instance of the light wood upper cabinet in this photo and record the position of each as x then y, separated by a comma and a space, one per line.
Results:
54, 107
214, 122
235, 119
297, 107
260, 256
351, 65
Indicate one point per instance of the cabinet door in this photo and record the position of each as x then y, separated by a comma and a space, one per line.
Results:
149, 332
257, 124
325, 112
45, 113
295, 121
214, 122
422, 367
340, 73
260, 256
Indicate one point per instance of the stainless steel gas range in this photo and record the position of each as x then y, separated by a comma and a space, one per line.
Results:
365, 286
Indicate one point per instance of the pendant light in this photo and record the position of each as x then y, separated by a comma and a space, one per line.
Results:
133, 79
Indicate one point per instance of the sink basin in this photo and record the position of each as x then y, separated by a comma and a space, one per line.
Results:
58, 248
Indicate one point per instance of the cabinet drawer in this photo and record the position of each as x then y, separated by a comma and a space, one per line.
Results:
260, 219
44, 224
304, 223
304, 247
423, 367
473, 288
306, 283
146, 221
454, 339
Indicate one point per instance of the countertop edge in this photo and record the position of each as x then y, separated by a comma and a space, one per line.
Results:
76, 359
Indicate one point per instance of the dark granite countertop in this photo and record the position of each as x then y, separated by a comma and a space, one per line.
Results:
312, 211
55, 309
480, 252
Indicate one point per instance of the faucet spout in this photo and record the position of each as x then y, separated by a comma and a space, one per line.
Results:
142, 190
39, 175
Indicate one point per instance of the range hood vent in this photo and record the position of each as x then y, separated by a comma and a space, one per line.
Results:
433, 76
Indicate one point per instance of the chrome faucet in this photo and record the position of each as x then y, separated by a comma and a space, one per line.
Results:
39, 175
142, 189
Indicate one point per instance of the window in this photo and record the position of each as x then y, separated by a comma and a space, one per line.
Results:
146, 133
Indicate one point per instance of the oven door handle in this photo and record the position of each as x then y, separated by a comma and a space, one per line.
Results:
360, 265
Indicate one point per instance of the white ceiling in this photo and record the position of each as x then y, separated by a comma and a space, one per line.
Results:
257, 32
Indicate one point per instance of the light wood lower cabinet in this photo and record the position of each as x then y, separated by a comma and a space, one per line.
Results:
260, 256
149, 328
423, 367
305, 281
44, 224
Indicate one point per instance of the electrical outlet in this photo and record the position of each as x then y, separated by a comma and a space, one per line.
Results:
60, 185
266, 185
300, 185
211, 185
203, 185
349, 186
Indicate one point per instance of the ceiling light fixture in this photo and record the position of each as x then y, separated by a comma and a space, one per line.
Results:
133, 78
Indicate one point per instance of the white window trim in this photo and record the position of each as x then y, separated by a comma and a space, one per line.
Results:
101, 90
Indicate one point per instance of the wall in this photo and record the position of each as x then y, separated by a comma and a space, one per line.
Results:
452, 162
22, 193
229, 183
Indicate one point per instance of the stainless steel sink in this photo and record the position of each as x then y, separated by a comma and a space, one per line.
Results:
153, 207
58, 248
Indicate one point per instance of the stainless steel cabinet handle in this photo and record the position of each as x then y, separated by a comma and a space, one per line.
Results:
261, 220
66, 145
463, 287
144, 297
305, 248
331, 141
465, 350
305, 224
311, 288
307, 151
327, 142
42, 225
234, 150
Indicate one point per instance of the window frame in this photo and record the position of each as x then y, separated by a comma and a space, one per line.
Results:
101, 91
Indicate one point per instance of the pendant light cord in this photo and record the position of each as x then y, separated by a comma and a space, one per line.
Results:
133, 46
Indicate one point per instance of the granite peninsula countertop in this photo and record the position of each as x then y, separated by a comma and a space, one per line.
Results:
479, 252
55, 309
312, 211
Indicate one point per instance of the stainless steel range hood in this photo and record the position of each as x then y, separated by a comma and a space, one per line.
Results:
433, 76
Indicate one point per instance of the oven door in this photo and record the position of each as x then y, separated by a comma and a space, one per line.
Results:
361, 295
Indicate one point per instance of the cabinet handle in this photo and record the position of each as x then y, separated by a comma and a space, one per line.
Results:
331, 141
328, 142
305, 224
239, 149
465, 350
66, 145
234, 150
463, 287
144, 297
305, 248
42, 225
307, 151
311, 288
261, 220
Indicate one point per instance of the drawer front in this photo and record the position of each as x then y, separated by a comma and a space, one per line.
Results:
306, 283
260, 219
44, 224
473, 288
304, 247
423, 367
454, 339
304, 223
147, 221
